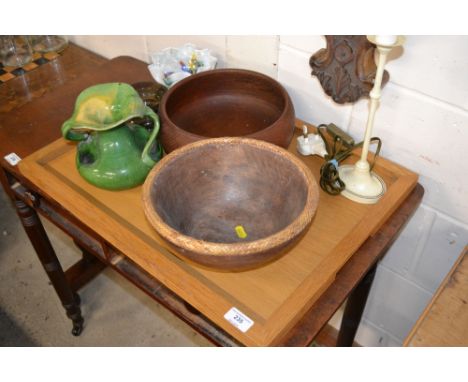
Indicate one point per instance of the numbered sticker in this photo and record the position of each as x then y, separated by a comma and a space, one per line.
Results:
12, 158
239, 319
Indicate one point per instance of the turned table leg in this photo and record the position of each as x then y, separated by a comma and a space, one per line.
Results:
46, 254
354, 309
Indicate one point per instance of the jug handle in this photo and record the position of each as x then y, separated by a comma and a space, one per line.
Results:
71, 135
145, 157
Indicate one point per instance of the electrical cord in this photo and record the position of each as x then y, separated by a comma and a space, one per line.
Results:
330, 180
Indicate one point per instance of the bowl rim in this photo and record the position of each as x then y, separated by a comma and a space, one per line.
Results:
207, 248
165, 116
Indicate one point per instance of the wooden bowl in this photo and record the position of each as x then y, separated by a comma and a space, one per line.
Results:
226, 103
203, 198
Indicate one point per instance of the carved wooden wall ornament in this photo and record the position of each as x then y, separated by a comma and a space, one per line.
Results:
346, 67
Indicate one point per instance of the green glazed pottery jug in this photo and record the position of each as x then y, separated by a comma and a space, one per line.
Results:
113, 153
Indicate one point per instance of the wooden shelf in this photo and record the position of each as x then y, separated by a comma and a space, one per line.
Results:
444, 322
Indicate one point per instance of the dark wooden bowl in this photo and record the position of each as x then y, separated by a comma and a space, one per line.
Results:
196, 196
226, 103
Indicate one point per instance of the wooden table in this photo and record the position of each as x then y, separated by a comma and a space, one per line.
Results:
25, 129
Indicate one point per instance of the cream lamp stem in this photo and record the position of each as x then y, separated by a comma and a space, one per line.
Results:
374, 102
361, 184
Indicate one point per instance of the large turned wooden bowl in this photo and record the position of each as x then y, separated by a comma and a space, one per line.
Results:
230, 203
226, 103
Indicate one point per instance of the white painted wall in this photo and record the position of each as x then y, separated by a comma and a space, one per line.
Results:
249, 52
423, 121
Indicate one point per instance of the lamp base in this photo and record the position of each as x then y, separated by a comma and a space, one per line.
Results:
364, 187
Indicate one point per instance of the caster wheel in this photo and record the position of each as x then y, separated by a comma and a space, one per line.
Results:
77, 329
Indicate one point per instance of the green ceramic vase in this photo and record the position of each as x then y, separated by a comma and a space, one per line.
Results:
112, 153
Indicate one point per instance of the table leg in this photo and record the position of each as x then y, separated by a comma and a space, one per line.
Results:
82, 272
46, 254
354, 308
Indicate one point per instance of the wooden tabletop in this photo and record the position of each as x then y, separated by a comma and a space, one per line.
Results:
19, 129
72, 63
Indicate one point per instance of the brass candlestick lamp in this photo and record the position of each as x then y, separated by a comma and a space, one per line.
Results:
363, 185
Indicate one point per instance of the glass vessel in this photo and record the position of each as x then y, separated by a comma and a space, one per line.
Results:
49, 43
15, 51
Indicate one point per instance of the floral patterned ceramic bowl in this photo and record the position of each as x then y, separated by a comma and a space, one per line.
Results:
174, 64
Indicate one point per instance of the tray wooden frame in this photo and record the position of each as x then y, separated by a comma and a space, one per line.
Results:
275, 296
